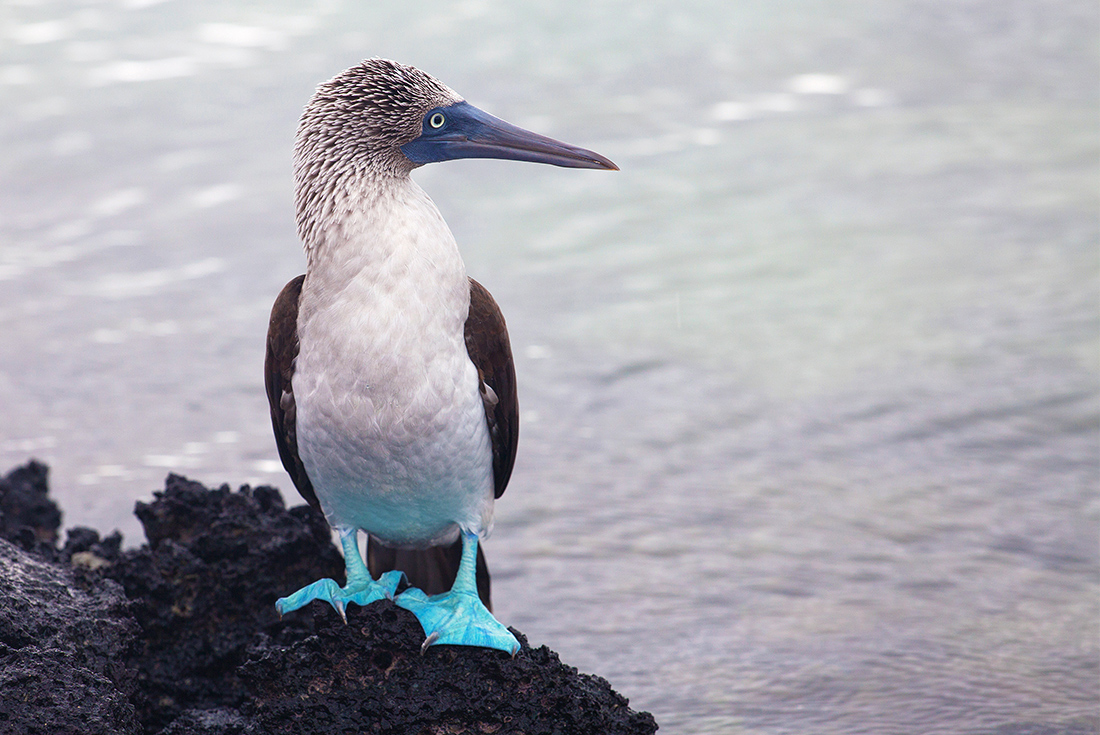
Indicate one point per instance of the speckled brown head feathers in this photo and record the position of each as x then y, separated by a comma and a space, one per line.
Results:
379, 102
355, 124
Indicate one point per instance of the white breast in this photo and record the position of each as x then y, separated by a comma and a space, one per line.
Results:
390, 424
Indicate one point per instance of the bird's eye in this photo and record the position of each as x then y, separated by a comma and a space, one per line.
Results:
437, 120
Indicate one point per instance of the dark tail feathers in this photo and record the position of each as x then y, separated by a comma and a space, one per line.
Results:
432, 570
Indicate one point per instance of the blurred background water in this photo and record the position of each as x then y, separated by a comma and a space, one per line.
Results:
809, 389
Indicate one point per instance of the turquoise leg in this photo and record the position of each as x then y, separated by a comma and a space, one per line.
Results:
457, 617
361, 588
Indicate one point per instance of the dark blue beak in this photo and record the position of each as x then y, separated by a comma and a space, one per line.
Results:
463, 131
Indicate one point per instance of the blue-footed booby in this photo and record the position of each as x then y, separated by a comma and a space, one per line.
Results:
389, 372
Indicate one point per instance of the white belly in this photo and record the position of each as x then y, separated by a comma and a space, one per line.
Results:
390, 424
411, 474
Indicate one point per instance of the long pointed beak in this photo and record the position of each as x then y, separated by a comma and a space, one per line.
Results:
463, 131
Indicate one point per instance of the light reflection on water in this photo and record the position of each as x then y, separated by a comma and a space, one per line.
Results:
809, 388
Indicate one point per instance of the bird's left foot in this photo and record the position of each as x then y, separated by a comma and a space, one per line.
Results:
456, 618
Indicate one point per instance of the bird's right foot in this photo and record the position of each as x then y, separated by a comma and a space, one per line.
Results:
362, 592
362, 589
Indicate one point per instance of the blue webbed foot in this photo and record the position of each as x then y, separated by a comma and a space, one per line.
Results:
458, 617
362, 589
362, 593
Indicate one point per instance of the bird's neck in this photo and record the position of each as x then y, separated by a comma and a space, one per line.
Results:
381, 236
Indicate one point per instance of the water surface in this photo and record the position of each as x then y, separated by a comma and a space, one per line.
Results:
811, 430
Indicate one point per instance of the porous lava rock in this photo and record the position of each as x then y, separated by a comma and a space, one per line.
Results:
27, 515
181, 635
204, 587
370, 676
63, 649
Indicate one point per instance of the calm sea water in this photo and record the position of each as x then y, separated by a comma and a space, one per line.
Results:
810, 390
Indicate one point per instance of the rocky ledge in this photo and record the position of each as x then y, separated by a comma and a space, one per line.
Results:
181, 635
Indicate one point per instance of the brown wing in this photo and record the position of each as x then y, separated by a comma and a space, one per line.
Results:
489, 350
282, 349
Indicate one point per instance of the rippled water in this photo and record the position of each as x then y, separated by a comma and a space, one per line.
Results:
811, 430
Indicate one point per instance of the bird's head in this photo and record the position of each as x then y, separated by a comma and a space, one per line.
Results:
361, 117
382, 117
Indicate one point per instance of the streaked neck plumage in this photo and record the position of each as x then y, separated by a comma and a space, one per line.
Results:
364, 217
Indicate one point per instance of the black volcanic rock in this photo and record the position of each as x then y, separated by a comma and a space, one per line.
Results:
181, 635
205, 586
27, 515
370, 676
63, 650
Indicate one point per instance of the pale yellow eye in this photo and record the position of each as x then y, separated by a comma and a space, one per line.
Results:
437, 120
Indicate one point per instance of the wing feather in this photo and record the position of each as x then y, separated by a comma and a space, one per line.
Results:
282, 350
490, 351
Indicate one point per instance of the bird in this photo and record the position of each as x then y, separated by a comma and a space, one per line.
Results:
388, 370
